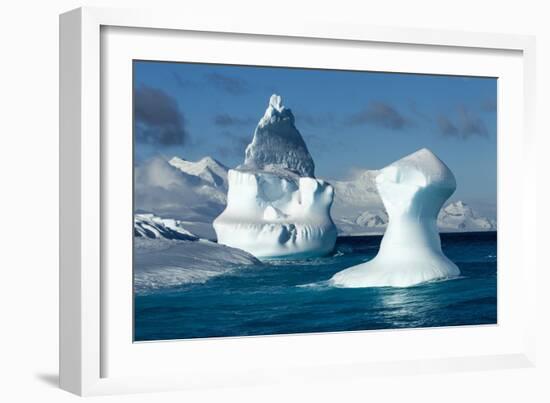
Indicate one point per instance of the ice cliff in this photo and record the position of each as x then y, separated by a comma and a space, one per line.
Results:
413, 190
276, 208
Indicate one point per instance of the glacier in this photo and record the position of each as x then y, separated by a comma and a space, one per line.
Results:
413, 190
276, 208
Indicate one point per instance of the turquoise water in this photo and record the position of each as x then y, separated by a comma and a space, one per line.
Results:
284, 297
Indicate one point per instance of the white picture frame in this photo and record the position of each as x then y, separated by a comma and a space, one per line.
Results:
96, 355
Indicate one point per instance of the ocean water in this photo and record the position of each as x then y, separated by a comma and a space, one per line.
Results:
285, 297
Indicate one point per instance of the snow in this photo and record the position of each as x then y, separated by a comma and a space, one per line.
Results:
277, 144
275, 207
358, 209
459, 216
150, 226
208, 169
168, 255
162, 263
274, 217
353, 197
413, 190
192, 192
372, 220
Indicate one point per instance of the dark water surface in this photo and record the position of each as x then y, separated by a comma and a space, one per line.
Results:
292, 296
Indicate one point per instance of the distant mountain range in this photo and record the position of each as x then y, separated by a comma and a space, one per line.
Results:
191, 192
208, 169
459, 216
358, 209
194, 193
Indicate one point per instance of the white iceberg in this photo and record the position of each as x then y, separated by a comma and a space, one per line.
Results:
275, 207
413, 191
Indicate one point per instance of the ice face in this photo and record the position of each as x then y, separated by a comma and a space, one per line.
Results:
277, 144
413, 191
272, 216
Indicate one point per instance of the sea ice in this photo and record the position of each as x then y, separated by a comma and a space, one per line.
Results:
413, 191
161, 262
275, 206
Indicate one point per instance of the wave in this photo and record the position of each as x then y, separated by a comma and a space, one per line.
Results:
319, 285
327, 284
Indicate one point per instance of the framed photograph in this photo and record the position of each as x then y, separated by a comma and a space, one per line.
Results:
244, 203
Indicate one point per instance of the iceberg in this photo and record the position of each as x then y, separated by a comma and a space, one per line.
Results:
276, 208
413, 190
277, 145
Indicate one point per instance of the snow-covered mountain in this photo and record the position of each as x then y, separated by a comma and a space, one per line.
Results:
455, 217
358, 209
150, 226
207, 168
373, 220
459, 216
357, 204
194, 192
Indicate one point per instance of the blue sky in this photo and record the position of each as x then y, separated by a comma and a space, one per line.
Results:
349, 120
